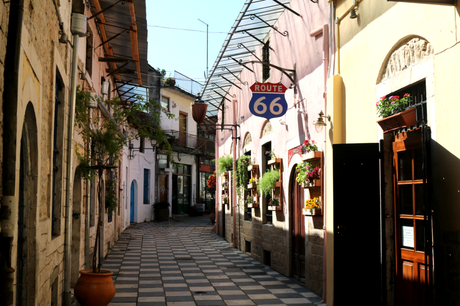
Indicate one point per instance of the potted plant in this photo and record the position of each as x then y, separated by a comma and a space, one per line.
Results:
249, 199
271, 154
99, 150
312, 206
225, 200
267, 182
307, 174
395, 112
275, 202
169, 82
224, 163
199, 109
309, 148
252, 183
161, 210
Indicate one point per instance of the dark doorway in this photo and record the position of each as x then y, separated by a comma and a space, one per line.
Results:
297, 222
26, 246
357, 251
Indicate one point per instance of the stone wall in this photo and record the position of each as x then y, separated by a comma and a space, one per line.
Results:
4, 14
314, 241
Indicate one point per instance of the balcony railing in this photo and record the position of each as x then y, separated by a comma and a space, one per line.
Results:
190, 144
187, 84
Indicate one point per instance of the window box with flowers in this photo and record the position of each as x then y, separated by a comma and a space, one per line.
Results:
308, 174
252, 183
310, 150
396, 113
225, 200
312, 207
274, 204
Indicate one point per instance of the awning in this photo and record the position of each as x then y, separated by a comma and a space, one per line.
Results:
253, 24
123, 28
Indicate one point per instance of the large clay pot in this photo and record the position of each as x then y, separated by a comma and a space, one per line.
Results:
95, 289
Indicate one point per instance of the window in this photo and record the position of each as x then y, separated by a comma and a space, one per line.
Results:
265, 199
89, 51
58, 143
266, 59
165, 102
146, 186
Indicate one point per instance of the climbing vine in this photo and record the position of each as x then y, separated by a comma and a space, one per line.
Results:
242, 176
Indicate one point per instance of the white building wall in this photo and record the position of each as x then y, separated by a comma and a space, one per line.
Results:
135, 173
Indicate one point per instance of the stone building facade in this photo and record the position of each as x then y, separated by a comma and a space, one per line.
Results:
283, 237
48, 215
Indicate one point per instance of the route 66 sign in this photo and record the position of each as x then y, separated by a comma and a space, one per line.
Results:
268, 100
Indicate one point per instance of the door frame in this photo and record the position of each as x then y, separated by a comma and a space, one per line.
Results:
296, 214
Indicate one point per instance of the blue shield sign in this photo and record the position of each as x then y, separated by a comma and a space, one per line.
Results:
268, 100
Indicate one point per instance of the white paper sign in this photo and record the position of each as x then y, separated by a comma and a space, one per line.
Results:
408, 236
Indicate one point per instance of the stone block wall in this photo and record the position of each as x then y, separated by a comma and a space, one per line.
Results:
314, 240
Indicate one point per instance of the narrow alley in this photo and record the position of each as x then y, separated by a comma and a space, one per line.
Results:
182, 263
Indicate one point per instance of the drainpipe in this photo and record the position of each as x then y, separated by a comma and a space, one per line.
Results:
78, 29
88, 209
9, 204
234, 136
326, 45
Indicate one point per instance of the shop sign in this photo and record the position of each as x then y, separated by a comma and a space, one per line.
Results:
268, 100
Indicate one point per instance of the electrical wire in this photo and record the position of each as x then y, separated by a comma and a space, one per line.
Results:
179, 29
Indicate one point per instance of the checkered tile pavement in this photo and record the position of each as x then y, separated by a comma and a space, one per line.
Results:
182, 263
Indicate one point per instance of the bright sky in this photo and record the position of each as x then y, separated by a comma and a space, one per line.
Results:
177, 39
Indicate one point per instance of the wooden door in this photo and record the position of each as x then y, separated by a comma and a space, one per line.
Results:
182, 129
411, 220
297, 228
357, 219
131, 205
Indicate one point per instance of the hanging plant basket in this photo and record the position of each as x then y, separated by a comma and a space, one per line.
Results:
199, 112
400, 120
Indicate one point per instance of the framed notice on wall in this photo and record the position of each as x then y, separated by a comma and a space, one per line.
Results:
408, 237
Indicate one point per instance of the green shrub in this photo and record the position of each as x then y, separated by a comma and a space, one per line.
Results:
224, 163
267, 182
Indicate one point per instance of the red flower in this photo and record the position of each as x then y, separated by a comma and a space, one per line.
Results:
405, 95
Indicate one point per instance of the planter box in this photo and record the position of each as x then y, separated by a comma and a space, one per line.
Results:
274, 161
274, 208
253, 205
316, 183
312, 212
312, 155
252, 186
400, 120
253, 167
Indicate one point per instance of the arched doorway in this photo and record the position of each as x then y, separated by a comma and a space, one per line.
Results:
76, 230
133, 200
26, 251
297, 221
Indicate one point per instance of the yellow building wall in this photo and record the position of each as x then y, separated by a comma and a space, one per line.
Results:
362, 51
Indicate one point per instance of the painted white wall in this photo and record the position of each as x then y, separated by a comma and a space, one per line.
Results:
135, 172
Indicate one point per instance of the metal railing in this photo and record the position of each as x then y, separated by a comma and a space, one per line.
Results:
190, 144
187, 84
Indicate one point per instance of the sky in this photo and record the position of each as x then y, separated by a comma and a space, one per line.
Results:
177, 39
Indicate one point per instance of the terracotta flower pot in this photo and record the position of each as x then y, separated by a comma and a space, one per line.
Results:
95, 289
400, 120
